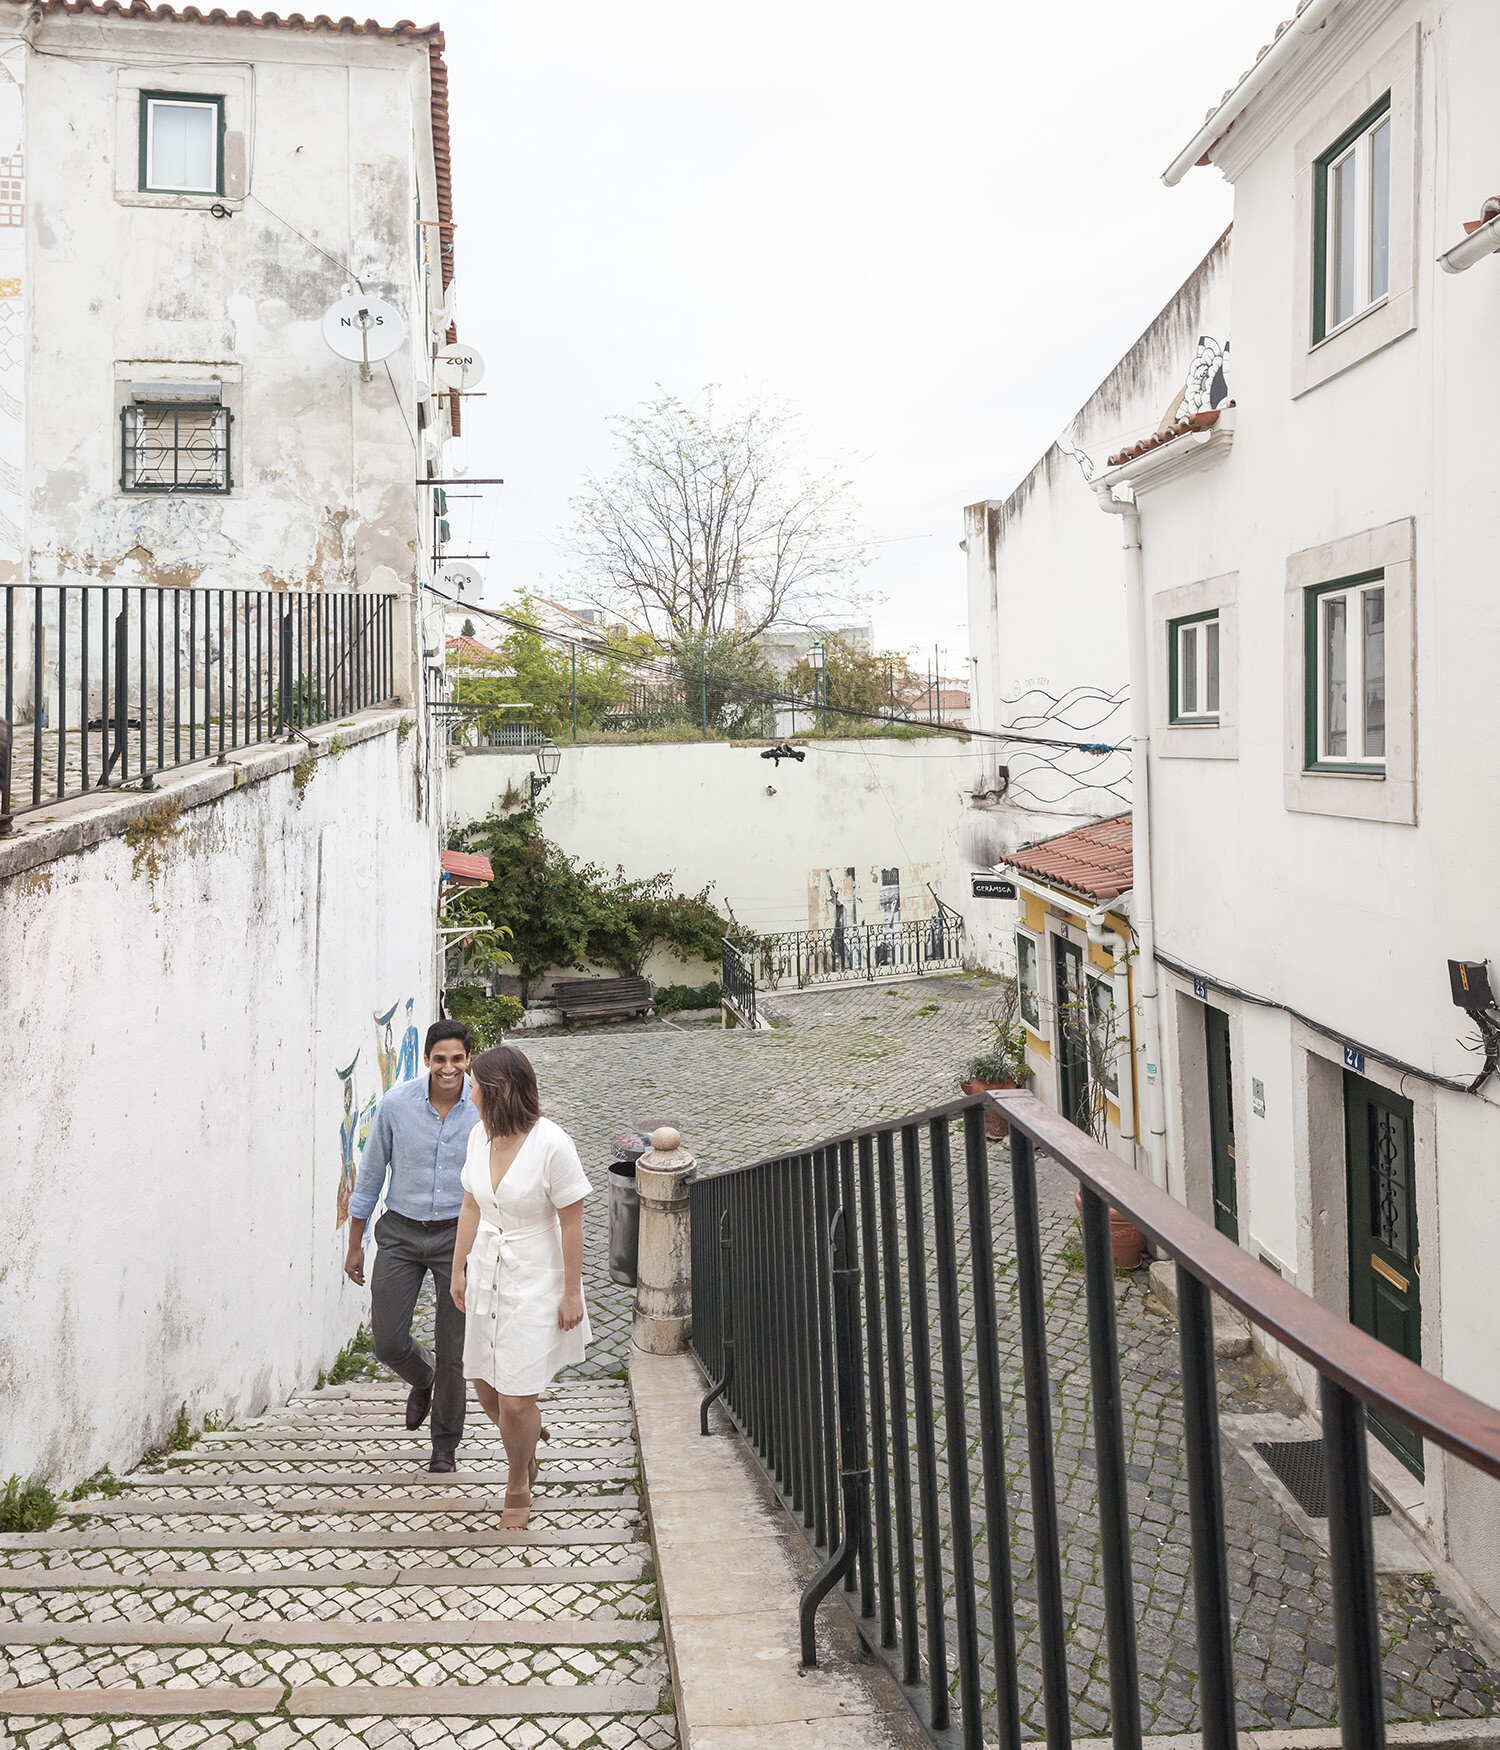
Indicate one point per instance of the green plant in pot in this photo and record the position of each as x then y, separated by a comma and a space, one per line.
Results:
1003, 1064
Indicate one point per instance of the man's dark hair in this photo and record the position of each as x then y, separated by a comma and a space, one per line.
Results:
449, 1029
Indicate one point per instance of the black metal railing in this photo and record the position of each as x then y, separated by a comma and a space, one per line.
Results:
737, 981
886, 1437
104, 684
860, 951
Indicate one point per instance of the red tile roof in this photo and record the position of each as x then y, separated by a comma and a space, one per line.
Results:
459, 866
1094, 860
467, 646
1194, 422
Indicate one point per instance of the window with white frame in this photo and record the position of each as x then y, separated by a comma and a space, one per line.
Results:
182, 143
1352, 244
1028, 983
1345, 674
1193, 668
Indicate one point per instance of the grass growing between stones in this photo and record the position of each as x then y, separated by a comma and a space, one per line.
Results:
27, 1506
353, 1361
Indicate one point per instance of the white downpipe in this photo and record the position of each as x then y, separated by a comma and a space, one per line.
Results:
1118, 947
1142, 910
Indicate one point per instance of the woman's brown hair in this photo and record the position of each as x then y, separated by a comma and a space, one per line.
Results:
505, 1082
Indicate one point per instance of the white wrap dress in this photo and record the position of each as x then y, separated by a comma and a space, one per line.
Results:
513, 1283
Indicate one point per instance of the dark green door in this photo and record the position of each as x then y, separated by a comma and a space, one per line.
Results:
1072, 1034
1384, 1256
1221, 1122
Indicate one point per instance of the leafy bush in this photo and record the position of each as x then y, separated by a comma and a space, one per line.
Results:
1005, 1061
565, 914
488, 1018
28, 1506
672, 997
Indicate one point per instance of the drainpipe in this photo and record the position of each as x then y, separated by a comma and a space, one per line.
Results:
1142, 910
1118, 947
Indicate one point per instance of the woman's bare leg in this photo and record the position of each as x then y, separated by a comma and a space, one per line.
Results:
489, 1399
520, 1429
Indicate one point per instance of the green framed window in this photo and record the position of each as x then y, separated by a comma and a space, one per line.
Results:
182, 143
1352, 220
1344, 675
1028, 981
1193, 669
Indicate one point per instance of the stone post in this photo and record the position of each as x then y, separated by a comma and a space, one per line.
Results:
663, 1291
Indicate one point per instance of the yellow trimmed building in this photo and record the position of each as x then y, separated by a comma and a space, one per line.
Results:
1074, 950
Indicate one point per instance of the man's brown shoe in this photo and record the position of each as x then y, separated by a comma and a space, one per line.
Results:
418, 1403
442, 1461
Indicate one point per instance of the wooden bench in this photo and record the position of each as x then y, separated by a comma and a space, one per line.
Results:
584, 998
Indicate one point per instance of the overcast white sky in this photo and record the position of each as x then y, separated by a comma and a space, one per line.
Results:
930, 229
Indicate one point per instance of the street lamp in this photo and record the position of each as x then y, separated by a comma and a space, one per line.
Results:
817, 659
547, 757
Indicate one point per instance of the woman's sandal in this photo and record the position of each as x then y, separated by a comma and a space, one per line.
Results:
515, 1517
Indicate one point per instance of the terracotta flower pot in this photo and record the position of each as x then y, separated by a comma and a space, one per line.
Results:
996, 1126
1126, 1241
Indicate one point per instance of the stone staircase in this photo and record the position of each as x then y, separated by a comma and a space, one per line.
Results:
305, 1579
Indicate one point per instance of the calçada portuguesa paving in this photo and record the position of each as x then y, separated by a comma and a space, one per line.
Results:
306, 1562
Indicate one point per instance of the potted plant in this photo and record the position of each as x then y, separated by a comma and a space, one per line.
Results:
1003, 1065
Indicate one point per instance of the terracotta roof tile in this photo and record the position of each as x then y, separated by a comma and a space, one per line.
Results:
467, 646
1093, 860
459, 866
1194, 422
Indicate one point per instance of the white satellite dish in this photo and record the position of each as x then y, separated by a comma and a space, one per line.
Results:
458, 367
462, 582
364, 329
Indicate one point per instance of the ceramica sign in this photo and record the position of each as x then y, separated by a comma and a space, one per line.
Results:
992, 887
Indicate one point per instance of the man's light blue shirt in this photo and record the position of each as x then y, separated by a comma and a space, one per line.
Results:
424, 1152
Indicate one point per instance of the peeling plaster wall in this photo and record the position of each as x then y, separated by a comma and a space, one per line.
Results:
171, 1112
327, 131
870, 825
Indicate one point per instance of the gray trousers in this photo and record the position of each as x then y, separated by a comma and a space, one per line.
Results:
407, 1252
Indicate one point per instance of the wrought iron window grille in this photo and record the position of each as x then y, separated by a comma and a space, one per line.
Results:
170, 447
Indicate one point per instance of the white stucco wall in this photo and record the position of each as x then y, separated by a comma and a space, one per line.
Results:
1047, 630
837, 823
171, 1111
326, 134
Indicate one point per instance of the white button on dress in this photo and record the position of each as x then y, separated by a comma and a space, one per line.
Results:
514, 1277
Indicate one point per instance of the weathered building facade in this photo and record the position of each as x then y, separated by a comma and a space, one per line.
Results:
215, 546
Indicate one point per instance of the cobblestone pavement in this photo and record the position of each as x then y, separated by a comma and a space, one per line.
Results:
852, 1056
301, 1581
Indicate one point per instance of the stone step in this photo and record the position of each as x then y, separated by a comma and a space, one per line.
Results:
354, 1700
232, 1632
547, 1537
301, 1506
395, 1391
390, 1448
417, 1478
340, 1579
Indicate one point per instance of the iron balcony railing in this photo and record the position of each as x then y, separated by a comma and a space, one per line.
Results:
104, 683
814, 1281
737, 981
860, 951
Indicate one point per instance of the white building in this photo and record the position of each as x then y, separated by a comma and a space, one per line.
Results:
1314, 633
185, 200
1047, 625
206, 989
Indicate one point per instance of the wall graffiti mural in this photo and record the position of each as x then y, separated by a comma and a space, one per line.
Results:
397, 1064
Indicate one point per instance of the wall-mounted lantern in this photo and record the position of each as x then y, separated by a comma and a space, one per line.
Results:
547, 757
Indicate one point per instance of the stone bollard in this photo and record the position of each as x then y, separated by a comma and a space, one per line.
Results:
664, 1275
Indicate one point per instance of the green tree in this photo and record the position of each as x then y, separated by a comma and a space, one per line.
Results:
467, 629
726, 679
541, 673
858, 680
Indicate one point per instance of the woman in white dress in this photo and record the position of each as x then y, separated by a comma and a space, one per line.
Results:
518, 1261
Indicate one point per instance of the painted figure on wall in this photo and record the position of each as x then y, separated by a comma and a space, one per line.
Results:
354, 1130
396, 1066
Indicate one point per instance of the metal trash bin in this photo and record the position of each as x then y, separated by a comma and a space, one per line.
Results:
624, 1201
625, 1207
